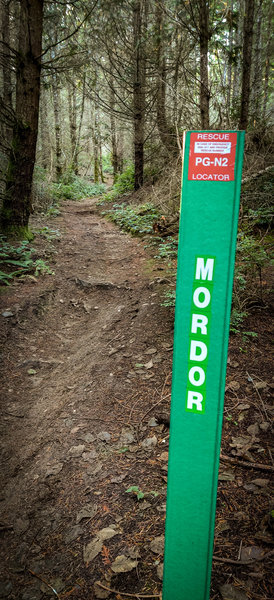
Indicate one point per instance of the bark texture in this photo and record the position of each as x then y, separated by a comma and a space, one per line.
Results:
247, 61
17, 197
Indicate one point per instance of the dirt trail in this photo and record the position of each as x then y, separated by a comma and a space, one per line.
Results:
71, 390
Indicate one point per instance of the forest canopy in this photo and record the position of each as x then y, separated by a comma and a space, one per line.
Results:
90, 86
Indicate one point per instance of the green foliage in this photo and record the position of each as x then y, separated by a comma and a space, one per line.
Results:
53, 211
123, 185
169, 298
71, 187
139, 494
167, 248
137, 220
20, 257
47, 233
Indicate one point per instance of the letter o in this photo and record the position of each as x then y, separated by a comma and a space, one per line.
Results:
196, 297
191, 376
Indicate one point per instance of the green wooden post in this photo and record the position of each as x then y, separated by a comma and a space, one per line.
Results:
207, 241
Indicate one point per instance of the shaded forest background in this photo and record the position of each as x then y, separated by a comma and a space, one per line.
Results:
109, 86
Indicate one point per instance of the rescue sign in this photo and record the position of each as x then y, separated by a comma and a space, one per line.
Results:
212, 156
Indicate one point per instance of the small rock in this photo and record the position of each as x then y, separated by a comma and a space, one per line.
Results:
260, 385
152, 422
229, 592
126, 437
253, 429
157, 545
265, 426
243, 406
87, 437
89, 456
150, 351
160, 571
122, 564
226, 476
7, 313
104, 436
87, 512
149, 443
260, 482
76, 451
54, 469
163, 456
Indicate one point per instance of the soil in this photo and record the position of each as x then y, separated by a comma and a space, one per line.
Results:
86, 371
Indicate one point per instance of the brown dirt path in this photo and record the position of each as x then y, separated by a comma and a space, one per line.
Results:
85, 370
71, 389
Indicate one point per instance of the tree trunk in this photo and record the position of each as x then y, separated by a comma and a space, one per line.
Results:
168, 137
6, 68
57, 124
267, 61
256, 89
138, 95
72, 124
204, 39
114, 154
247, 59
17, 197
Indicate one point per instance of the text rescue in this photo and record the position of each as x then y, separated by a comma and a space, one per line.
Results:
199, 334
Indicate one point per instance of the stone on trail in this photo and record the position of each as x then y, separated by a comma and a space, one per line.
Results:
54, 469
104, 436
122, 564
149, 443
87, 512
76, 451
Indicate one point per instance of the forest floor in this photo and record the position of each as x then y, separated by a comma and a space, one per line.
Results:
86, 373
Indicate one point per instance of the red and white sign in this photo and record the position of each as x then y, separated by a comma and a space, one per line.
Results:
212, 156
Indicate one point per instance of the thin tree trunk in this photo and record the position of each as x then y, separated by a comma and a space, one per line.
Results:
57, 124
247, 59
6, 68
229, 66
72, 122
138, 95
168, 137
267, 61
114, 154
96, 163
204, 85
17, 198
256, 89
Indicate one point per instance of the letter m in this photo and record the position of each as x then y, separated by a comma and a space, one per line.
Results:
204, 270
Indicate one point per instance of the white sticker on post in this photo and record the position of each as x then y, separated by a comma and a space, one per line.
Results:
212, 147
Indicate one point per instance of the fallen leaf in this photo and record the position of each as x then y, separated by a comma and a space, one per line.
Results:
122, 564
251, 553
87, 512
157, 545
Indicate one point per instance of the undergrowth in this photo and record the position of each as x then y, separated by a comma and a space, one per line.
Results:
137, 220
18, 261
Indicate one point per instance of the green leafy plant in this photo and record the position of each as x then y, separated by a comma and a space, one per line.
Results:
21, 257
139, 494
169, 297
72, 187
137, 220
47, 233
167, 248
124, 184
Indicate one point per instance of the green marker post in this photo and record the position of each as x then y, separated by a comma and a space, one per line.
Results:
207, 241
